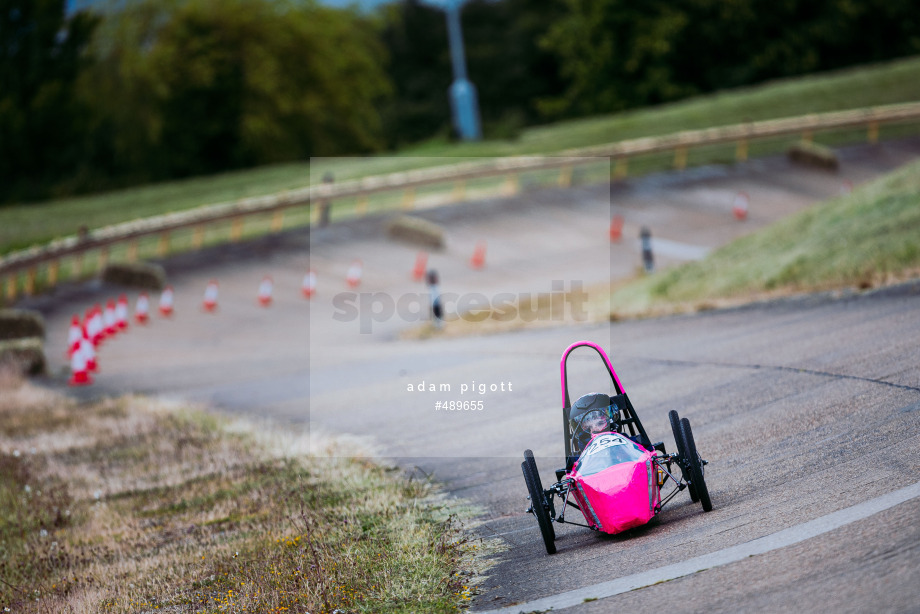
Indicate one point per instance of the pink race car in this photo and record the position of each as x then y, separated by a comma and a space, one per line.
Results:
614, 475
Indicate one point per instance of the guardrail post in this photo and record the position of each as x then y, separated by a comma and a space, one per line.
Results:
132, 251
11, 287
808, 136
53, 268
103, 257
163, 245
31, 276
198, 237
741, 151
76, 269
236, 229
459, 192
621, 168
872, 133
324, 210
361, 207
680, 158
565, 177
408, 200
512, 184
277, 220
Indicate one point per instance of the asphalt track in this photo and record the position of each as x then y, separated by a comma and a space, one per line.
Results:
808, 408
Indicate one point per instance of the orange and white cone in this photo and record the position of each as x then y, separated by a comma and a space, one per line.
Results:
265, 291
89, 352
121, 312
79, 374
479, 256
142, 309
210, 296
166, 302
108, 317
96, 326
353, 277
74, 335
616, 228
309, 284
421, 266
740, 205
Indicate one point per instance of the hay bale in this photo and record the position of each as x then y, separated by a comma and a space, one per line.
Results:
812, 154
142, 275
21, 323
416, 231
25, 356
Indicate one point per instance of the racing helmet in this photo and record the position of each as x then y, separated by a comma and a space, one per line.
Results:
590, 414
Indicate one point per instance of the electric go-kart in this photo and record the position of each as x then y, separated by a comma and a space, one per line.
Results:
614, 475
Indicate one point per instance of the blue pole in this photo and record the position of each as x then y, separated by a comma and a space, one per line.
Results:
464, 105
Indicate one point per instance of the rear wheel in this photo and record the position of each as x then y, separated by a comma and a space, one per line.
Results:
682, 452
538, 505
697, 479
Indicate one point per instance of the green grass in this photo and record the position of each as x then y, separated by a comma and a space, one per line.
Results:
892, 82
126, 506
864, 239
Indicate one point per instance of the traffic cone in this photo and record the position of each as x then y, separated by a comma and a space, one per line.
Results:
142, 309
121, 312
309, 284
740, 206
166, 302
96, 326
355, 271
479, 255
616, 228
108, 317
210, 296
265, 291
89, 353
421, 266
79, 375
74, 335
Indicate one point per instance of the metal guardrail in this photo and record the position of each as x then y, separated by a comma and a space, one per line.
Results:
20, 269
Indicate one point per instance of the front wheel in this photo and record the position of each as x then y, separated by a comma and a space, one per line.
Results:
697, 480
682, 452
538, 505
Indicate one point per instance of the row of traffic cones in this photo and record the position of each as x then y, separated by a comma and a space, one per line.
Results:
84, 337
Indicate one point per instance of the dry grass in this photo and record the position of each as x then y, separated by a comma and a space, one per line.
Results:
127, 505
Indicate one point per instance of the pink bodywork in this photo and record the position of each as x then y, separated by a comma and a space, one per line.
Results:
620, 497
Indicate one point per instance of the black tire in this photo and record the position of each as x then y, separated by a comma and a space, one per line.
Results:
539, 509
682, 452
532, 463
697, 478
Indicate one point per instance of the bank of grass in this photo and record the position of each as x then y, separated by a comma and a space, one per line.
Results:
861, 240
126, 506
886, 83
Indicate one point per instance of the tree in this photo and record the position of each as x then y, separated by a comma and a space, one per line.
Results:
42, 126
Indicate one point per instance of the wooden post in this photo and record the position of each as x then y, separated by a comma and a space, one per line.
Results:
459, 192
872, 135
163, 245
361, 206
11, 288
132, 251
278, 220
31, 276
53, 268
808, 136
741, 150
680, 158
77, 266
103, 257
512, 184
408, 200
565, 177
621, 168
198, 237
236, 229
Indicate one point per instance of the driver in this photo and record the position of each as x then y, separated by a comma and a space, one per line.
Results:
589, 416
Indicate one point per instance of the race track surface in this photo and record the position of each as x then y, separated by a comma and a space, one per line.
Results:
805, 407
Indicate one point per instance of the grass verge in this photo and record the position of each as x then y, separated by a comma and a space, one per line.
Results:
860, 240
886, 83
125, 505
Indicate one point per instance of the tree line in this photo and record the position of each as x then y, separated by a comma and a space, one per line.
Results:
147, 90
